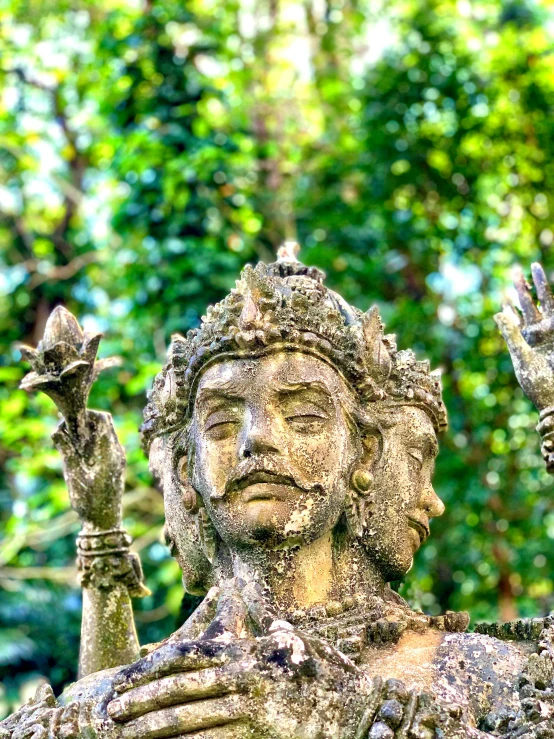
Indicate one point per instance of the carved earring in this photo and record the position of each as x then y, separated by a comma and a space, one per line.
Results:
207, 533
188, 493
361, 482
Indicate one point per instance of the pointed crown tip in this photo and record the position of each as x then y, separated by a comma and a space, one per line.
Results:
288, 252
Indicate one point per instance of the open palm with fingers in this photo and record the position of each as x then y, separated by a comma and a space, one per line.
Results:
530, 338
245, 674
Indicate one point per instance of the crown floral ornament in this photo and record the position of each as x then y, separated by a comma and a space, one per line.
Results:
285, 306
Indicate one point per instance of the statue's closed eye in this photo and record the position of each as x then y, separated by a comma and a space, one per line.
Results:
221, 423
418, 456
305, 417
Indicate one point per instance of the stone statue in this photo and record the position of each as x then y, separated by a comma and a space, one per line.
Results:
295, 446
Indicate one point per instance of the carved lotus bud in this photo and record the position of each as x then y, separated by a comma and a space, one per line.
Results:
62, 326
64, 363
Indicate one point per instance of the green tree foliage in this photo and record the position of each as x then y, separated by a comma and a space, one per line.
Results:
147, 151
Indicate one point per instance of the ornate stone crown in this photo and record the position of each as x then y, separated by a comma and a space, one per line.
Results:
284, 306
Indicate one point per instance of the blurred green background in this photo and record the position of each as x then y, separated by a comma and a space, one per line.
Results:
150, 149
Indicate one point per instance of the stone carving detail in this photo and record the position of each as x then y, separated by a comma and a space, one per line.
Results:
281, 307
295, 445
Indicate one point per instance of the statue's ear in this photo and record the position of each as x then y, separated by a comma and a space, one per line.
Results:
194, 504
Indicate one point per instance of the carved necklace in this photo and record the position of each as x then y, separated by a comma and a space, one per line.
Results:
361, 620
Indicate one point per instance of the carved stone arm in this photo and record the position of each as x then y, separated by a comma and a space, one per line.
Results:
65, 367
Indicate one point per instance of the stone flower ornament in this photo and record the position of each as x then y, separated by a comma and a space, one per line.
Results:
65, 367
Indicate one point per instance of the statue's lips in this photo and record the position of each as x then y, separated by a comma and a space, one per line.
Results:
419, 527
266, 485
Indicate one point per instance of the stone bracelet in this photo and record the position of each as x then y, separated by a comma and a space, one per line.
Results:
104, 561
103, 543
545, 428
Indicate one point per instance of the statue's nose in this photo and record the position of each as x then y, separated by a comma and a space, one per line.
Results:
431, 502
259, 435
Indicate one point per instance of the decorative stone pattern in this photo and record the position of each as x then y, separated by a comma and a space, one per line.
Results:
360, 621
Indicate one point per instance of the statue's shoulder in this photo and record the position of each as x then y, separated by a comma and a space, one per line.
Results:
511, 668
501, 657
495, 680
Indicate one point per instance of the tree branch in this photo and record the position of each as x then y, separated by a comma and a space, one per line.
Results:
65, 271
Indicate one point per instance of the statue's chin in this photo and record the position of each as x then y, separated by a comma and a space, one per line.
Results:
266, 514
266, 524
394, 558
272, 515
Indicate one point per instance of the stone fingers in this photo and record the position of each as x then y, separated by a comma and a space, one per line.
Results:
230, 618
530, 311
170, 659
544, 291
231, 731
259, 610
179, 720
173, 690
532, 368
507, 322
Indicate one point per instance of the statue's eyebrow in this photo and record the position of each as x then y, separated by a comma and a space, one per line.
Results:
227, 389
292, 387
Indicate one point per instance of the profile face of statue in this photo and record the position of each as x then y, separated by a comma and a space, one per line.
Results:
404, 499
272, 448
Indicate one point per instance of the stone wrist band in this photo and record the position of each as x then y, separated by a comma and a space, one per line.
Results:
104, 562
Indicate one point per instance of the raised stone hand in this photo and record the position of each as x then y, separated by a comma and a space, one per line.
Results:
94, 466
64, 366
530, 338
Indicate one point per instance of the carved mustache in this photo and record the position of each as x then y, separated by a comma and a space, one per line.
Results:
265, 469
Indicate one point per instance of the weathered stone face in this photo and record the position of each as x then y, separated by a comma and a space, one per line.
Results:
282, 454
403, 498
268, 427
273, 449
